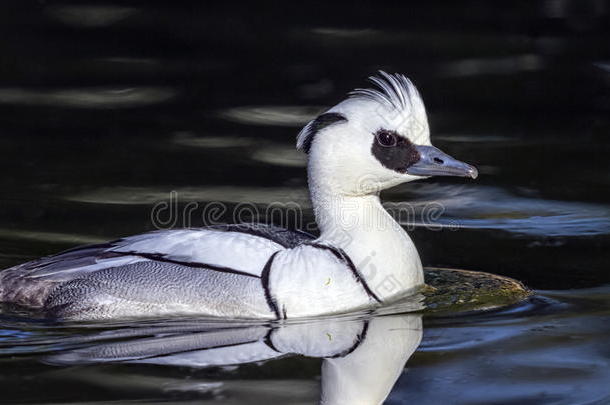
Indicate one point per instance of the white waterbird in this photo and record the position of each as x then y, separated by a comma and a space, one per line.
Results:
375, 139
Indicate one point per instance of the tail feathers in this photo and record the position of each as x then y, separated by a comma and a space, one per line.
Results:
18, 289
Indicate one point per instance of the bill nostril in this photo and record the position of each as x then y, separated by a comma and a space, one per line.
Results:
438, 161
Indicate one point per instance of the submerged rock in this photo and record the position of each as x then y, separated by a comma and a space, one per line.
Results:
449, 291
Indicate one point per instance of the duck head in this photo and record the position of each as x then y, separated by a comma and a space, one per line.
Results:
375, 139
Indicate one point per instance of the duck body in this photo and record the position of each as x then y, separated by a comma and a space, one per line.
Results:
193, 271
373, 140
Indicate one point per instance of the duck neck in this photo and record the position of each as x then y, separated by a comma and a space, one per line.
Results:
379, 247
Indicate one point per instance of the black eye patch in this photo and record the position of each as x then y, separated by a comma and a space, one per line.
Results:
397, 155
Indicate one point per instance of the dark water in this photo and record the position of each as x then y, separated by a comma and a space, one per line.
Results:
107, 109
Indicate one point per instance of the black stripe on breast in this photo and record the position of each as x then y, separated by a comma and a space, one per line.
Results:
359, 339
331, 249
265, 281
341, 255
162, 258
269, 342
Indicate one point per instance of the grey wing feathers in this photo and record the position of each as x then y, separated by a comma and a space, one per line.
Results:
201, 348
30, 284
156, 289
26, 285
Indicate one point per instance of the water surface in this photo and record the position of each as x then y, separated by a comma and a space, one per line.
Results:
105, 110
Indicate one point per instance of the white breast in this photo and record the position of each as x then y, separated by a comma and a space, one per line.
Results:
309, 281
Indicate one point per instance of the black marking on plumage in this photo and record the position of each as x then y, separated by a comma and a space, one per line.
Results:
342, 256
265, 281
29, 284
189, 350
282, 236
359, 339
162, 258
269, 342
359, 277
398, 157
335, 251
323, 121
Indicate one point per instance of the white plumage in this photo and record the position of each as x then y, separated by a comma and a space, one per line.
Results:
375, 139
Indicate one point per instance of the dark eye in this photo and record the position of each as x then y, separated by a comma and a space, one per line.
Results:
386, 138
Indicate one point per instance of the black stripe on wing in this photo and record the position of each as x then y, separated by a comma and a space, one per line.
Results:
285, 237
221, 346
72, 357
162, 258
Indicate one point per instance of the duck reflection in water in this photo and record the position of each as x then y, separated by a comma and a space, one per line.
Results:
362, 357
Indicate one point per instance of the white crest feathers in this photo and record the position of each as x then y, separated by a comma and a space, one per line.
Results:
394, 90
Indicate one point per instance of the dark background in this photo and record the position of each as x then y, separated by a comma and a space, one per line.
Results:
107, 107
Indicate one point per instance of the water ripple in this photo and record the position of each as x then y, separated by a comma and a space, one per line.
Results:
95, 97
282, 116
90, 15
